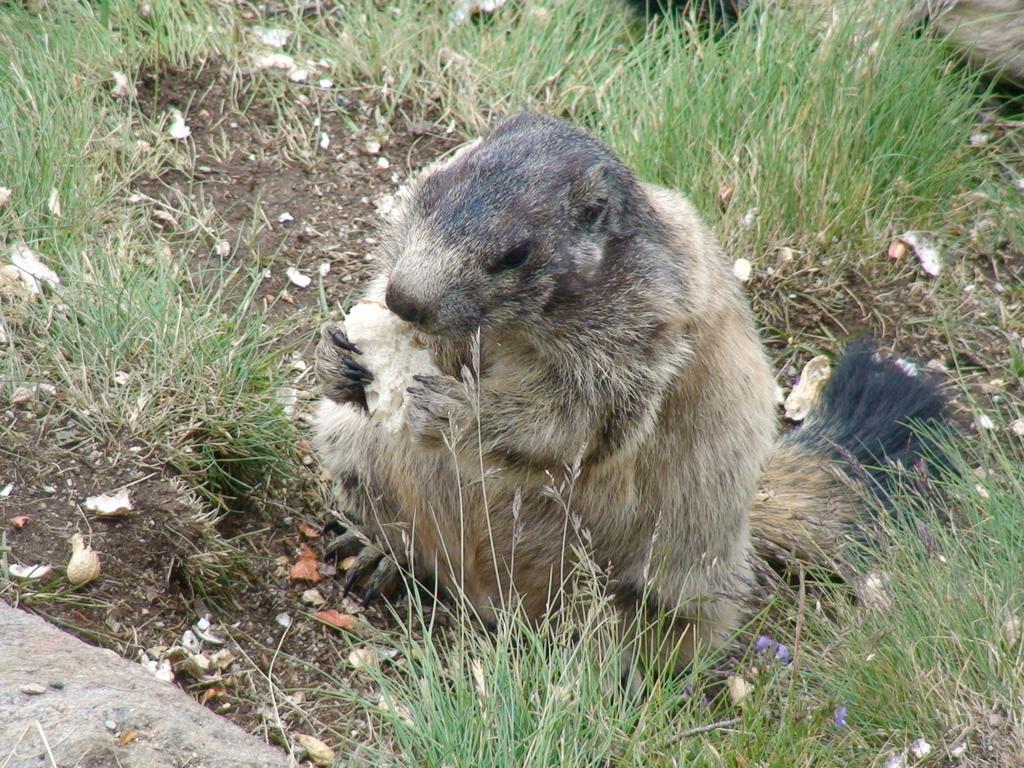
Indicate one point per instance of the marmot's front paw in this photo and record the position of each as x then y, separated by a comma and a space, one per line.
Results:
341, 378
433, 407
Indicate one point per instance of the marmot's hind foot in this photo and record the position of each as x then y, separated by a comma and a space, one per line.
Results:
373, 574
341, 377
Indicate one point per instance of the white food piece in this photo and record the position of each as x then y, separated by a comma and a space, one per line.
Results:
926, 252
5, 196
122, 86
318, 752
920, 749
161, 670
223, 659
313, 597
1017, 427
742, 269
739, 690
298, 75
325, 140
275, 61
363, 659
29, 571
6, 490
110, 504
803, 396
190, 642
31, 270
467, 8
392, 352
84, 565
178, 130
388, 704
984, 421
275, 38
53, 203
297, 278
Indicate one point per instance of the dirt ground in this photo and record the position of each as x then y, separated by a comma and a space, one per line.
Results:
145, 599
303, 214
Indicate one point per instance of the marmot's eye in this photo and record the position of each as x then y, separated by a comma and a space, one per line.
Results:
515, 257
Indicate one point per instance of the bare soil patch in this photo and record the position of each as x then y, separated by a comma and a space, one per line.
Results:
278, 211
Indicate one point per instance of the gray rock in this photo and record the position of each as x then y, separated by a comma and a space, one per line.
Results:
99, 687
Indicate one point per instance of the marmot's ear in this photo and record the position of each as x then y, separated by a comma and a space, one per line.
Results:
600, 199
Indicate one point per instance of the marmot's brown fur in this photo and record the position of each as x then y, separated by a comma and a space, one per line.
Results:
616, 348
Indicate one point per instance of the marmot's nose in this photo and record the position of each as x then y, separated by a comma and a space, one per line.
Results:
403, 306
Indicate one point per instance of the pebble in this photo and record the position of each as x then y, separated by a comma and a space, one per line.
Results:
33, 689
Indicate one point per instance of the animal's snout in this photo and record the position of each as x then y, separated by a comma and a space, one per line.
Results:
403, 305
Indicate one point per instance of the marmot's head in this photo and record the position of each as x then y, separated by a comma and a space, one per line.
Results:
526, 221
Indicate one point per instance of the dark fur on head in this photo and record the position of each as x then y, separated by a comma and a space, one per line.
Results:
529, 217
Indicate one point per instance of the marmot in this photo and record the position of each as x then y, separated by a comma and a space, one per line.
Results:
613, 345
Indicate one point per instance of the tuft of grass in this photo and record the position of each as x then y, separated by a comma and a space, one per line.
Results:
942, 660
142, 341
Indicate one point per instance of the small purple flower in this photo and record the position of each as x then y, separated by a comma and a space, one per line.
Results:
763, 643
840, 716
782, 654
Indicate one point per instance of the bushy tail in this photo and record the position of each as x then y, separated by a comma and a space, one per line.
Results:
862, 427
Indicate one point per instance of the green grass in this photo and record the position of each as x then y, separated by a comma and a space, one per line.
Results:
937, 663
201, 361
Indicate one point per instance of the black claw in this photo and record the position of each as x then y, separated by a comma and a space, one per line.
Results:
346, 545
384, 581
416, 391
367, 561
334, 527
350, 582
339, 338
355, 371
